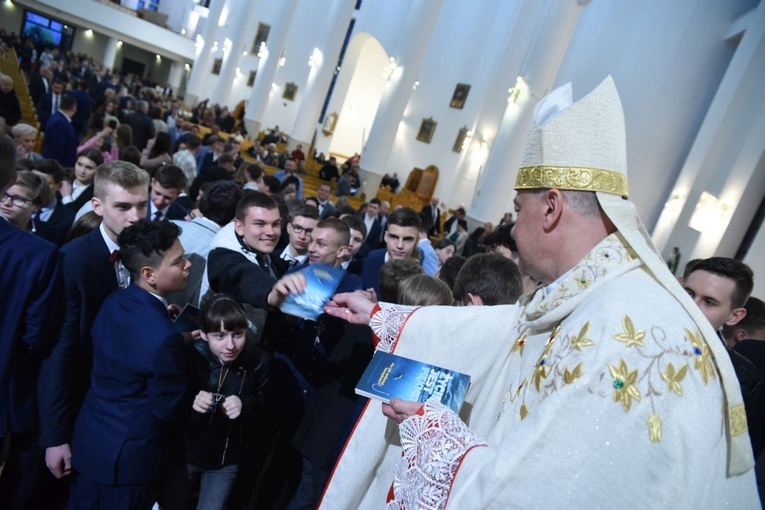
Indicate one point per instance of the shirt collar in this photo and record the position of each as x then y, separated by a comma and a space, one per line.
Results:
111, 245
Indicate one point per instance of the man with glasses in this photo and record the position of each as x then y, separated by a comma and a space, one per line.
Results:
299, 228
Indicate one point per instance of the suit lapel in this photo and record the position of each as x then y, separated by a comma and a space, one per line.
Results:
107, 274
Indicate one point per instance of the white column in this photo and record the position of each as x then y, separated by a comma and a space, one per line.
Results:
176, 75
201, 67
409, 54
233, 54
335, 26
110, 53
267, 67
545, 54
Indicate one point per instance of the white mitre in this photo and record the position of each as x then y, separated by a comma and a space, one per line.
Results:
582, 147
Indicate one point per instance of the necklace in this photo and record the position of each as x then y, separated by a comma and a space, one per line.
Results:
222, 376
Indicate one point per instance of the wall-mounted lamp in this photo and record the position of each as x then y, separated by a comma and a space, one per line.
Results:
244, 53
119, 44
183, 31
390, 68
416, 84
187, 67
89, 33
710, 214
262, 50
316, 58
159, 59
283, 58
515, 91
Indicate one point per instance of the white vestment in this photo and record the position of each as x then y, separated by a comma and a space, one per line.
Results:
600, 392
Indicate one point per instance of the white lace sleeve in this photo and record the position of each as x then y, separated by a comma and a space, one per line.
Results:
434, 444
386, 323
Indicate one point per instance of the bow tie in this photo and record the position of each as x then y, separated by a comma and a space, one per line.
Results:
114, 256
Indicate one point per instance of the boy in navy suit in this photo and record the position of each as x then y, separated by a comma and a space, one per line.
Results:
138, 380
89, 276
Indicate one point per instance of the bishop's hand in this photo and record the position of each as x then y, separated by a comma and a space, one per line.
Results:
355, 307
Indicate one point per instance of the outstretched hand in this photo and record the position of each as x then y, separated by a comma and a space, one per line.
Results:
293, 283
355, 307
399, 410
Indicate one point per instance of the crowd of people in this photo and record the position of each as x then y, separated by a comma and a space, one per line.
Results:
588, 358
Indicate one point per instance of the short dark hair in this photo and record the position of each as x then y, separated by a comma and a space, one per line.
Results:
306, 211
253, 170
92, 154
220, 310
272, 183
67, 102
193, 142
500, 236
254, 199
740, 273
375, 201
404, 217
346, 209
425, 223
462, 223
131, 154
689, 267
225, 159
144, 243
443, 243
219, 201
450, 269
754, 320
338, 226
355, 223
49, 167
170, 177
392, 273
492, 277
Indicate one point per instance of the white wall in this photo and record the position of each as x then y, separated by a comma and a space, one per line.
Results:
11, 17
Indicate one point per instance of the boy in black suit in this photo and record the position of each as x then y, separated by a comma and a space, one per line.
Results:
138, 380
167, 185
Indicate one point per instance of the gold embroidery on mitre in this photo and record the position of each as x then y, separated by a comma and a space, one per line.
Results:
572, 178
737, 419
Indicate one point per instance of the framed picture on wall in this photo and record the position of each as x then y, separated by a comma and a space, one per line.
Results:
460, 95
261, 36
217, 64
460, 141
427, 128
251, 78
290, 89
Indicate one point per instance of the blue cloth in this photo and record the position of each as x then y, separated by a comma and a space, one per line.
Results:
60, 141
138, 385
29, 302
370, 270
429, 257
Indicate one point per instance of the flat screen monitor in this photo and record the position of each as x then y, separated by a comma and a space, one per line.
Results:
46, 30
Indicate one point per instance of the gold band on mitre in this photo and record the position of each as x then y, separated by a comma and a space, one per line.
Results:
572, 178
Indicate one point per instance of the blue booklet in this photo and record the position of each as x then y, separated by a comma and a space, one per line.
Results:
388, 376
321, 284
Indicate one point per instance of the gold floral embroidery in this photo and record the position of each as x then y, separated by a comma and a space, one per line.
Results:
624, 384
702, 361
518, 345
654, 428
539, 374
524, 411
570, 376
673, 378
581, 340
738, 423
630, 336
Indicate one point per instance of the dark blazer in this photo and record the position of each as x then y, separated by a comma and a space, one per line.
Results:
88, 278
84, 109
60, 221
375, 233
328, 210
60, 140
448, 224
234, 274
137, 391
370, 269
435, 229
28, 305
175, 212
143, 128
85, 197
37, 87
43, 108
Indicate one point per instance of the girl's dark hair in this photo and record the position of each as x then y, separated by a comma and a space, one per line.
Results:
222, 309
92, 154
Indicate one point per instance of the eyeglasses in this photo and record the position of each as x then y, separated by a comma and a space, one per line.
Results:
16, 200
299, 230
